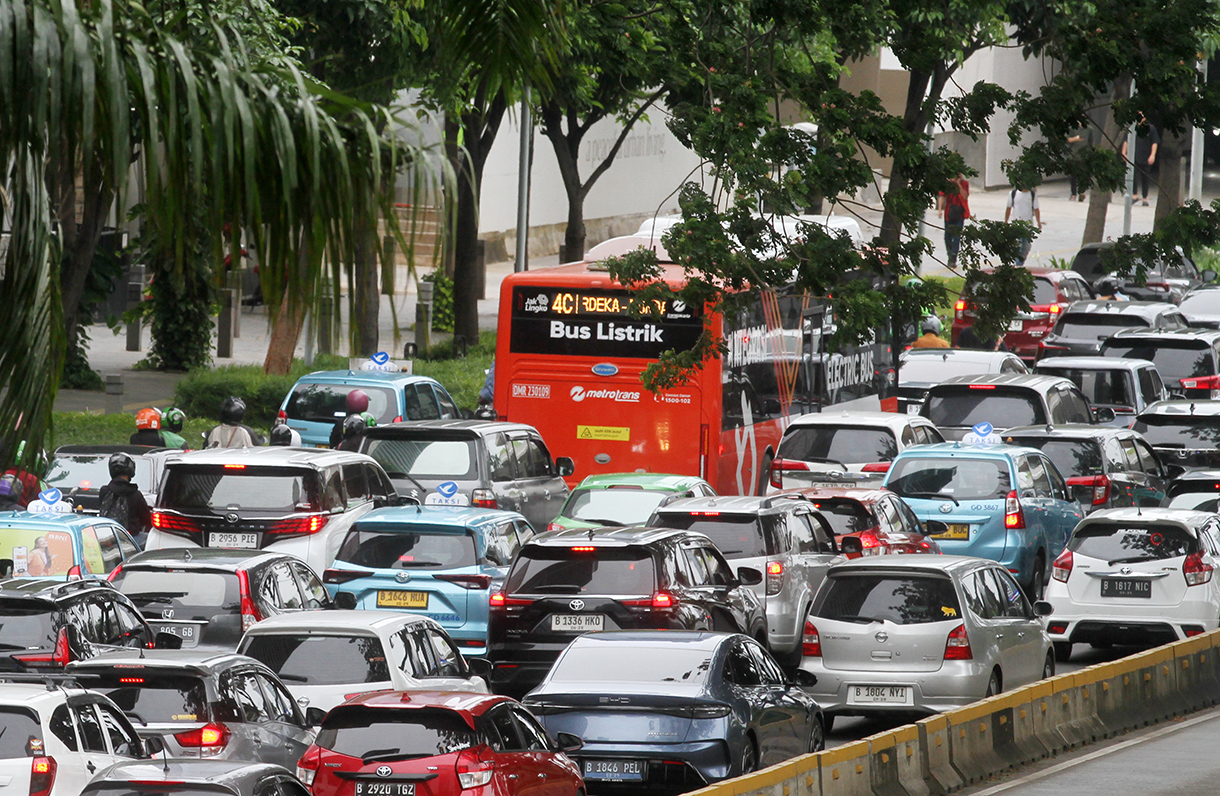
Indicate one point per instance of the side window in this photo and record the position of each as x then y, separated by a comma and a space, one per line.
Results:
449, 410
130, 625
718, 570
802, 533
908, 436
421, 651
1059, 488
1132, 458
332, 496
112, 556
428, 409
91, 735
268, 593
743, 667
823, 534
1076, 407
448, 660
769, 672
502, 544
889, 515
123, 742
111, 632
251, 703
535, 737
379, 487
1055, 410
1025, 479
525, 532
1012, 599
1042, 483
356, 483
500, 457
63, 728
1150, 385
978, 596
908, 517
279, 703
505, 737
399, 646
1151, 464
698, 566
92, 551
286, 585
312, 588
529, 461
126, 546
1116, 460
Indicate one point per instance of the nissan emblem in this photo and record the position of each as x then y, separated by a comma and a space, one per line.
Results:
882, 637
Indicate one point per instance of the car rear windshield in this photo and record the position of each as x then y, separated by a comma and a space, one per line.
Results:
613, 506
426, 458
327, 403
1179, 431
320, 659
1072, 457
419, 548
190, 594
394, 734
966, 405
958, 478
147, 696
25, 626
1045, 292
620, 663
1205, 302
838, 444
735, 535
19, 726
1174, 359
1194, 501
92, 472
602, 570
1094, 325
901, 598
218, 488
1100, 387
35, 551
845, 515
926, 368
1130, 542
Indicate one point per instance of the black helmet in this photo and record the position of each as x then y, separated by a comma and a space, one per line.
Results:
354, 426
1107, 286
11, 488
281, 435
122, 464
232, 410
172, 419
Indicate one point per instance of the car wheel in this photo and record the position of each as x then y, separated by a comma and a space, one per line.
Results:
1063, 650
749, 757
993, 685
1048, 668
1037, 580
817, 736
764, 475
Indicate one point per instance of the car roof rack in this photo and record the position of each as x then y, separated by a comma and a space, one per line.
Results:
771, 500
77, 585
52, 680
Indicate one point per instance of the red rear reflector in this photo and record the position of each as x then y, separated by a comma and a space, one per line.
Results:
876, 467
663, 600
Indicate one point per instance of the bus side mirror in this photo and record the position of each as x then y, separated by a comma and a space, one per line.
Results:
565, 466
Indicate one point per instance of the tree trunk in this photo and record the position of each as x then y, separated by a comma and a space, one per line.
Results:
366, 293
1169, 177
915, 121
1099, 200
79, 240
284, 335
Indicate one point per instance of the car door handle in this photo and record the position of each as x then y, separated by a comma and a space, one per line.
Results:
999, 635
512, 776
542, 776
1021, 634
257, 740
91, 767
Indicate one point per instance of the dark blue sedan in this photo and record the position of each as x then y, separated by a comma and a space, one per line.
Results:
675, 710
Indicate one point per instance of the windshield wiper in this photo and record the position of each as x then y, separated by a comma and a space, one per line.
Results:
868, 620
929, 495
1130, 560
408, 564
154, 596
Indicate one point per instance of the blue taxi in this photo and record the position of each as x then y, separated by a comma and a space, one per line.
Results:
46, 544
440, 561
1001, 502
318, 400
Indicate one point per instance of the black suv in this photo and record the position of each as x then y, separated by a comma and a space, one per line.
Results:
1105, 468
1184, 434
1164, 281
1197, 490
1187, 359
1006, 400
208, 598
48, 623
1085, 325
566, 583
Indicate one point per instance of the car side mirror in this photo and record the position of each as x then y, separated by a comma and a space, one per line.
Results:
345, 601
565, 466
804, 679
935, 527
1043, 608
153, 745
1207, 275
480, 667
568, 742
850, 546
314, 716
167, 641
1104, 414
749, 576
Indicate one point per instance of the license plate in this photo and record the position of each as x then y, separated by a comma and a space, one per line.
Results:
913, 409
385, 788
880, 694
1016, 326
955, 531
188, 633
244, 541
614, 769
577, 623
1126, 587
402, 599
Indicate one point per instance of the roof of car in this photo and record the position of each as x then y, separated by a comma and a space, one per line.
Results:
182, 773
951, 449
734, 504
1093, 363
941, 563
335, 620
409, 427
379, 378
891, 420
205, 557
1044, 272
1184, 517
1067, 431
107, 450
654, 481
270, 456
853, 493
391, 518
1032, 381
962, 354
32, 693
606, 537
68, 523
198, 660
1209, 335
1200, 475
1144, 309
1182, 407
49, 588
689, 639
464, 703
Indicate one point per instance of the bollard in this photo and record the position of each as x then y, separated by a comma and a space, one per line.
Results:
423, 319
134, 291
114, 393
410, 351
235, 286
224, 324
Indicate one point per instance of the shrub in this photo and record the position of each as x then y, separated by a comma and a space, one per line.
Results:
442, 301
86, 428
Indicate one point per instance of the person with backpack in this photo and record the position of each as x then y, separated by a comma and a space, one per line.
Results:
955, 206
231, 432
122, 501
10, 493
1023, 206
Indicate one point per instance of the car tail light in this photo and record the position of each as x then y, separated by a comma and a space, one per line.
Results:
982, 386
876, 467
210, 739
1014, 517
114, 573
173, 523
337, 576
475, 766
235, 466
282, 415
471, 582
1062, 568
42, 775
74, 572
1196, 570
957, 646
308, 765
1099, 483
299, 525
775, 577
499, 600
1054, 309
870, 543
778, 466
661, 600
1057, 628
554, 526
483, 498
250, 615
811, 642
1203, 383
959, 310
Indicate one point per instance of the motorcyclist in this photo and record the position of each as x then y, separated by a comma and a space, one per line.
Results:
284, 436
357, 401
172, 420
354, 427
122, 501
231, 432
10, 493
930, 337
1107, 289
148, 428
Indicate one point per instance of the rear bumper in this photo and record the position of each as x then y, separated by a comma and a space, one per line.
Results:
955, 684
672, 768
1152, 625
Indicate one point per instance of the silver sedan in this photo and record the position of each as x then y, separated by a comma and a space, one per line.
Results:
920, 635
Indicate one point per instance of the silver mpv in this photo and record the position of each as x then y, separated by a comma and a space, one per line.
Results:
920, 634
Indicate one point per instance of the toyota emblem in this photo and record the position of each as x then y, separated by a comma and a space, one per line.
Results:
1125, 570
231, 518
945, 508
402, 577
882, 637
577, 605
384, 771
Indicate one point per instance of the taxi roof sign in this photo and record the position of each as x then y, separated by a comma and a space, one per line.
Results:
380, 362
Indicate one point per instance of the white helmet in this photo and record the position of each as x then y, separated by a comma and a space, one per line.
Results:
930, 325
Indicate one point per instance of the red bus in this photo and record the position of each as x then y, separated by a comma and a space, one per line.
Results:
569, 359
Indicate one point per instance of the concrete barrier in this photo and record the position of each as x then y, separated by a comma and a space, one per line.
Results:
941, 754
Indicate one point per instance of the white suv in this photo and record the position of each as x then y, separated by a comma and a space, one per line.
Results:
53, 740
1136, 576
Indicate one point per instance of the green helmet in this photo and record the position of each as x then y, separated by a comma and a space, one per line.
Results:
172, 419
369, 420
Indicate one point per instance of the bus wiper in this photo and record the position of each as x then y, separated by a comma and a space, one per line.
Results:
930, 495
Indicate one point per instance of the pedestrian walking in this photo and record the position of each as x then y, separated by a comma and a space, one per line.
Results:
955, 207
1023, 206
1147, 142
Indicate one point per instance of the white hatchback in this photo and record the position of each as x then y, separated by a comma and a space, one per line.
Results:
53, 740
327, 657
1136, 576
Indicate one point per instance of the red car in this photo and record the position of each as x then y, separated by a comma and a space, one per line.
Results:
871, 522
437, 743
1054, 290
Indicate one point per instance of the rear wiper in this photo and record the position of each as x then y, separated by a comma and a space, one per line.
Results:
296, 678
409, 564
821, 460
154, 596
929, 495
868, 620
599, 521
1130, 560
559, 587
390, 757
